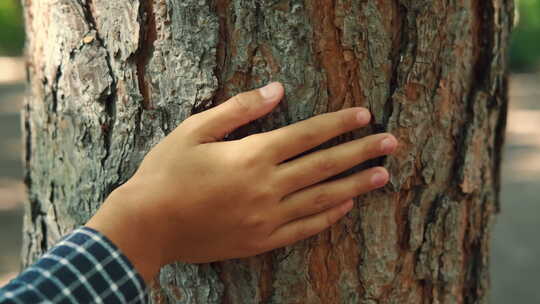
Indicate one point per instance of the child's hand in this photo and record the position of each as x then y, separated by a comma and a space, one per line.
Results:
196, 199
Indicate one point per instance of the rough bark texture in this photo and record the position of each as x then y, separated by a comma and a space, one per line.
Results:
109, 79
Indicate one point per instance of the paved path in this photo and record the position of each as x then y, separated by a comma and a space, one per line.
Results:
11, 187
516, 238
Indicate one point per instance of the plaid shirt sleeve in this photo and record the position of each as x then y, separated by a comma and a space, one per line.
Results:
85, 267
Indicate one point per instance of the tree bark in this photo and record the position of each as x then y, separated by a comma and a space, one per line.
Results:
109, 79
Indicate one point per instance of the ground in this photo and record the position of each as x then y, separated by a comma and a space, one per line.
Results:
515, 247
11, 187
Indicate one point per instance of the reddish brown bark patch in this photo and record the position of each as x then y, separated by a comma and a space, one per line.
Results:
340, 65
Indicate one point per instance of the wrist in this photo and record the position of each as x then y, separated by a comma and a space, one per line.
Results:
123, 222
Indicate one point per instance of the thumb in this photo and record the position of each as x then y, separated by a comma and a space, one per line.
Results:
213, 124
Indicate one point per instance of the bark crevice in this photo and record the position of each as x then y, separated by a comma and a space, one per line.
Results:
143, 55
108, 97
222, 50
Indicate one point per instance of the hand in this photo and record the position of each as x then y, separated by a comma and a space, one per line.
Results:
196, 199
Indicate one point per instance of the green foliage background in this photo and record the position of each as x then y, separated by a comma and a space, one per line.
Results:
525, 49
11, 28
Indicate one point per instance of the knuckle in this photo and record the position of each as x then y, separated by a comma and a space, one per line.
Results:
360, 188
367, 148
307, 136
250, 159
325, 163
344, 119
374, 146
255, 221
265, 194
255, 152
255, 142
241, 101
322, 201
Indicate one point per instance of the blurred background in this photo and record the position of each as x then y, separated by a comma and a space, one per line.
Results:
11, 95
515, 248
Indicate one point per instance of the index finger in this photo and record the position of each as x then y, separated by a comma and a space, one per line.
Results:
294, 139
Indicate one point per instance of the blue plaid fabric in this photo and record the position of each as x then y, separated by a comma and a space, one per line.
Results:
84, 267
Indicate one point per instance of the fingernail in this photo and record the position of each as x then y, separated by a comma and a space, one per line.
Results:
379, 179
271, 91
388, 144
363, 116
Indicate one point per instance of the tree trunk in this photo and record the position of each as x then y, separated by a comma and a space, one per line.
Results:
109, 79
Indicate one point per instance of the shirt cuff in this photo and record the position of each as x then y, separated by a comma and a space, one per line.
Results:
84, 267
